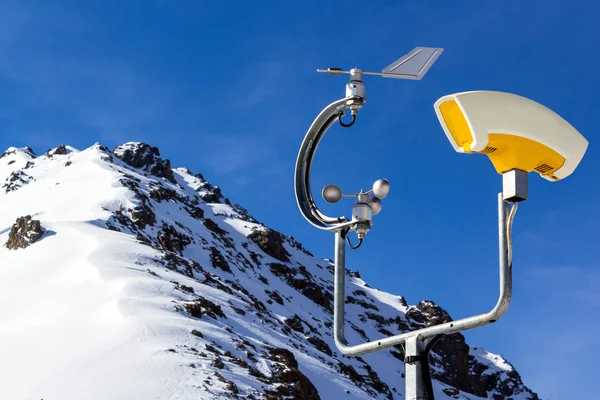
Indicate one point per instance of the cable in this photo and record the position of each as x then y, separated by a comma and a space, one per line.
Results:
433, 342
425, 365
344, 236
346, 125
509, 223
350, 244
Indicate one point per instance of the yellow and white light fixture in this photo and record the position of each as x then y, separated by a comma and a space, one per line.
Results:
513, 131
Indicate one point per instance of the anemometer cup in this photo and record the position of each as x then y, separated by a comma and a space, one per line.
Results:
516, 133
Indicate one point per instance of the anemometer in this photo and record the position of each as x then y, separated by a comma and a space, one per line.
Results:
517, 134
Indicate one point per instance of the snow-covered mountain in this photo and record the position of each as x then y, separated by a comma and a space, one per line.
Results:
124, 278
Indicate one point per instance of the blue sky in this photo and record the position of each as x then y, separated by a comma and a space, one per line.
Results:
229, 89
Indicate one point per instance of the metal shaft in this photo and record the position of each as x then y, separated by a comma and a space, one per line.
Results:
339, 290
415, 387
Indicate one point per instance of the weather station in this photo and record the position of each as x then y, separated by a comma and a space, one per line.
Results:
519, 135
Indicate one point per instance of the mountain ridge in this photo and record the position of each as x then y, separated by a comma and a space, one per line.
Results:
186, 278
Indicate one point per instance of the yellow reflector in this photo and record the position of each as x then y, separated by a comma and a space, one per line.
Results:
457, 124
521, 153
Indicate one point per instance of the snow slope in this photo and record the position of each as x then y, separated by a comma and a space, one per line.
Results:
149, 284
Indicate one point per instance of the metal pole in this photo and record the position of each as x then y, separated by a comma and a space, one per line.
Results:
505, 263
339, 293
415, 388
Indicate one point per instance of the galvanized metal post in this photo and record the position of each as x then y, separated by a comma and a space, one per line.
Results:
415, 385
339, 292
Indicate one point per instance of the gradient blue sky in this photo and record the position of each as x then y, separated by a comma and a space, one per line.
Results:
229, 89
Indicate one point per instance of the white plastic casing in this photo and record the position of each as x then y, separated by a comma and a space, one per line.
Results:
499, 112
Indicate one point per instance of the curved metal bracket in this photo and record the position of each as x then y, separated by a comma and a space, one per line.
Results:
446, 329
315, 133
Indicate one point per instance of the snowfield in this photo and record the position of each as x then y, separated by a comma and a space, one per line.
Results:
148, 284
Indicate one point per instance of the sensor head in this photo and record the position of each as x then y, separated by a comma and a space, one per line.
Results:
513, 131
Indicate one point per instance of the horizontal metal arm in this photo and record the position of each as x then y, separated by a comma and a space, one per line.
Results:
338, 71
314, 135
448, 328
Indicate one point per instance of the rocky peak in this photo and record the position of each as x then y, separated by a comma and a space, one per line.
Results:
145, 157
61, 150
13, 150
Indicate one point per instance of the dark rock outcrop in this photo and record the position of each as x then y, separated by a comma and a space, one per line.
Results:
320, 345
293, 383
271, 242
16, 180
218, 261
202, 306
172, 240
24, 232
59, 151
145, 157
295, 323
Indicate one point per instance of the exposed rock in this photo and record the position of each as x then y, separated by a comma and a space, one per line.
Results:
24, 232
376, 383
143, 215
59, 151
173, 240
218, 363
202, 306
218, 261
196, 332
305, 286
293, 383
213, 195
160, 194
435, 314
294, 243
282, 271
195, 212
271, 242
313, 292
295, 323
452, 392
16, 179
320, 345
206, 191
275, 296
145, 157
362, 303
351, 373
212, 226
